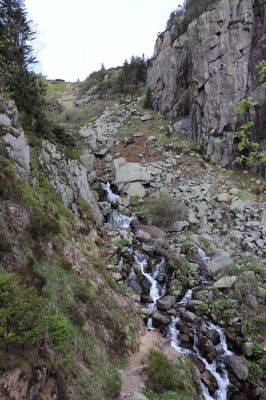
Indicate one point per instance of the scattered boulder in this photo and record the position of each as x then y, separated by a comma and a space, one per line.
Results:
226, 282
219, 263
131, 172
160, 320
237, 206
135, 189
239, 367
166, 302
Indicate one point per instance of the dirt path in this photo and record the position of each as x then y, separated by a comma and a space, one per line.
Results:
133, 378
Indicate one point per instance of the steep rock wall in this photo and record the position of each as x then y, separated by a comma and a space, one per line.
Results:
199, 77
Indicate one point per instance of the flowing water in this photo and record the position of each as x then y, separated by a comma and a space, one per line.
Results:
158, 280
155, 290
221, 349
111, 197
118, 220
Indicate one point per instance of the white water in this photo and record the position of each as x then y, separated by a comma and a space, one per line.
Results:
118, 220
155, 291
222, 379
111, 197
203, 256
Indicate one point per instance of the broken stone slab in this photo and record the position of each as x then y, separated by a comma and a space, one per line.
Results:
226, 282
131, 172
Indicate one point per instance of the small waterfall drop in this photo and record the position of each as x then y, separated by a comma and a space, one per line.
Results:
111, 197
155, 291
118, 220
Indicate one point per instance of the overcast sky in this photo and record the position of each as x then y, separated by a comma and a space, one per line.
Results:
76, 36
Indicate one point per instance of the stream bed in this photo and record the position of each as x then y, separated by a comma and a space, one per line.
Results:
214, 375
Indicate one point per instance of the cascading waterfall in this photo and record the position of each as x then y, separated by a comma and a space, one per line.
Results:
111, 197
221, 378
118, 220
155, 291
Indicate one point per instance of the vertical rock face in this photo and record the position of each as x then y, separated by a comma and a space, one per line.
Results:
12, 133
69, 179
200, 76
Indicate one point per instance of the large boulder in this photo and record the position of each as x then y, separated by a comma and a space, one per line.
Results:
160, 320
135, 189
239, 367
220, 262
131, 172
226, 282
166, 302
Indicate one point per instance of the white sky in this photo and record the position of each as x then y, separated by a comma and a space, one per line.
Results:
76, 36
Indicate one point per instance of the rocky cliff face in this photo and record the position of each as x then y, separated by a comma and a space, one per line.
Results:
200, 76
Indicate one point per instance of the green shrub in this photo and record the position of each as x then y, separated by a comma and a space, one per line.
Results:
261, 67
82, 291
113, 386
162, 374
124, 242
254, 369
43, 225
60, 330
21, 313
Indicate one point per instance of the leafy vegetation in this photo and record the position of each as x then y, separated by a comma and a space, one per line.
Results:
185, 14
169, 380
123, 80
21, 313
261, 67
249, 153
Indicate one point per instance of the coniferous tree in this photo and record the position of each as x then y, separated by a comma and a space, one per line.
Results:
16, 58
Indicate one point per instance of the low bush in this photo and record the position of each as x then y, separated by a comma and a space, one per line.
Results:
162, 374
113, 386
43, 225
21, 313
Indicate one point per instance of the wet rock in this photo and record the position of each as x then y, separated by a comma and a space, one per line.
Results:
134, 285
193, 305
209, 380
188, 316
105, 208
239, 367
166, 302
199, 364
206, 348
160, 320
184, 338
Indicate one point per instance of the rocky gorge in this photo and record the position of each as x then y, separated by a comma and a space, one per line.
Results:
132, 257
